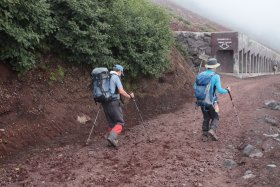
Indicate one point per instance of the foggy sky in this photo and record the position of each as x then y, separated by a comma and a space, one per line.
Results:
259, 19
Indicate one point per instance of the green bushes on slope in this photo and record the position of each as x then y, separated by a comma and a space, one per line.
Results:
133, 33
23, 26
140, 36
82, 32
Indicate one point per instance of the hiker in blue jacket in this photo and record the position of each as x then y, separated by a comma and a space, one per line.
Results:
210, 110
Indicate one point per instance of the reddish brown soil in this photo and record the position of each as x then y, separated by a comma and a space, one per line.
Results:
176, 156
34, 109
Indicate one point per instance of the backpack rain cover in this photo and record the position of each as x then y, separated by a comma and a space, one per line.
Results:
202, 89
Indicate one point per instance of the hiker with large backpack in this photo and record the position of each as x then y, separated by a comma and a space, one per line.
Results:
107, 88
206, 86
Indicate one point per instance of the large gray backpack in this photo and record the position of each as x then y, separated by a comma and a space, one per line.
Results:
101, 85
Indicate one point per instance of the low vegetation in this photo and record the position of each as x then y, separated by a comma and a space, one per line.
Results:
133, 33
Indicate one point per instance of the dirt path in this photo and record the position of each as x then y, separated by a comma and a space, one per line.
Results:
175, 157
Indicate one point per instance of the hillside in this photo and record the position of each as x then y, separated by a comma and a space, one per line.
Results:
191, 21
35, 109
46, 102
47, 55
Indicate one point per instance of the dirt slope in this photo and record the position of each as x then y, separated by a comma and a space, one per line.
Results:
34, 109
175, 157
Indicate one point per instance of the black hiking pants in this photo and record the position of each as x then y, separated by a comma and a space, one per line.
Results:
113, 113
210, 119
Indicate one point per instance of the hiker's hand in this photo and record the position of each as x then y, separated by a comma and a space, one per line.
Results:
228, 88
131, 95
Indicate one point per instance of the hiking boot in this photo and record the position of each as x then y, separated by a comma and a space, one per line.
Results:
213, 135
113, 142
106, 135
112, 139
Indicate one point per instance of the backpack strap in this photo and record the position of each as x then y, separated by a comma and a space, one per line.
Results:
100, 83
211, 76
214, 73
116, 89
214, 87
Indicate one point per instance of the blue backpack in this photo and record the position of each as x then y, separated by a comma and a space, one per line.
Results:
202, 89
101, 85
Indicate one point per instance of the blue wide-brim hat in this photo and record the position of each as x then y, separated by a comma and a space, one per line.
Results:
212, 63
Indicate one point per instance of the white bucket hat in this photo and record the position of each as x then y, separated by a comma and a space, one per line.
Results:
212, 63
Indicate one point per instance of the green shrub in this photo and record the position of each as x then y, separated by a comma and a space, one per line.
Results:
207, 28
82, 31
140, 37
133, 33
23, 24
186, 22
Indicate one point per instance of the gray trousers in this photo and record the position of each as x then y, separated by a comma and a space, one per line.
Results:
210, 119
113, 113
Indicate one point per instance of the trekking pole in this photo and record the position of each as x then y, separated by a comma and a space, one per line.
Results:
141, 118
194, 122
200, 66
234, 107
93, 125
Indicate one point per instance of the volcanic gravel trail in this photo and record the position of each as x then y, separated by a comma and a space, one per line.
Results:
175, 156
